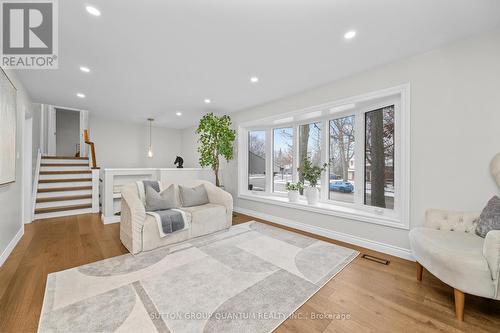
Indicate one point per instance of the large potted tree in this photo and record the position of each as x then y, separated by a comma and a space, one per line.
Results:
312, 174
216, 139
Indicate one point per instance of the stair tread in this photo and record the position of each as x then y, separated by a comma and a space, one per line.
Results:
67, 172
64, 164
64, 158
59, 189
65, 198
61, 208
65, 180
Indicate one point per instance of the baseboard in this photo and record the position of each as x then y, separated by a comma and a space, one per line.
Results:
355, 240
110, 219
11, 246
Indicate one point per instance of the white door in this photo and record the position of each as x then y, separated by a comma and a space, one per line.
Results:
51, 131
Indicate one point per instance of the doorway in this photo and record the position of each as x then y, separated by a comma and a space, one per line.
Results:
67, 132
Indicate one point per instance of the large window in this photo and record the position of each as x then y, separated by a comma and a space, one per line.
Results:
309, 146
379, 158
365, 142
283, 158
342, 163
257, 160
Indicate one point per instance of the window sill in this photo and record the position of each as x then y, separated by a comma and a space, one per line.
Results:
328, 209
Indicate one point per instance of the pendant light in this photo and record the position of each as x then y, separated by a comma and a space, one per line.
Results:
150, 149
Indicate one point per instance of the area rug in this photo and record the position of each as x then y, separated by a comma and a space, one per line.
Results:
249, 278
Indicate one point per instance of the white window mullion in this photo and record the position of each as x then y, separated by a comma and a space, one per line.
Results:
359, 159
295, 152
324, 159
269, 161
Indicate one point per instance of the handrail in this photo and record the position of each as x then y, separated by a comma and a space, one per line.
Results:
92, 148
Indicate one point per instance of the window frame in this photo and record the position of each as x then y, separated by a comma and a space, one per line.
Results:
398, 96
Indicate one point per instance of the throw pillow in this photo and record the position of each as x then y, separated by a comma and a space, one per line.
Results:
489, 218
195, 196
160, 201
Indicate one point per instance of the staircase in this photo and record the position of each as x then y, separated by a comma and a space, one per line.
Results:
66, 186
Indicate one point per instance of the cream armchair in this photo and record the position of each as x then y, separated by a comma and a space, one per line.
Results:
139, 231
448, 247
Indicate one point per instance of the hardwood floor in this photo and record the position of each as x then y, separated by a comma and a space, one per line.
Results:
364, 297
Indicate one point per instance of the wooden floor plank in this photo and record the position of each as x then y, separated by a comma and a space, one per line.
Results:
370, 296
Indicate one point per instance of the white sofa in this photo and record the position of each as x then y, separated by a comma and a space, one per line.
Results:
448, 247
139, 231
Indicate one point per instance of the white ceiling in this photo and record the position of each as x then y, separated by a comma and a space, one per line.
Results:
153, 58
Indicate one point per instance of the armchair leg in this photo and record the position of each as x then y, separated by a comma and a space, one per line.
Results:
420, 269
459, 304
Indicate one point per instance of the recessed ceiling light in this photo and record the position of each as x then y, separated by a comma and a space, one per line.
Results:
178, 114
80, 95
93, 11
84, 69
207, 101
350, 34
254, 79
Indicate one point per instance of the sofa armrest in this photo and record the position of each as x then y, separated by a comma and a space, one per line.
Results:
451, 220
133, 215
491, 251
218, 196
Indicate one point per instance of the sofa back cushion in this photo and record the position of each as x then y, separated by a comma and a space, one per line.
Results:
193, 196
155, 200
489, 218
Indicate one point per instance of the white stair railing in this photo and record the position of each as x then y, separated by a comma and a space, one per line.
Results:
95, 190
35, 183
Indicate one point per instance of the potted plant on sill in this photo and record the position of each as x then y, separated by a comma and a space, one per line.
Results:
216, 139
312, 174
293, 191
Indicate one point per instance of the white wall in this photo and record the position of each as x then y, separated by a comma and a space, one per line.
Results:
124, 145
189, 148
37, 128
11, 195
455, 118
67, 132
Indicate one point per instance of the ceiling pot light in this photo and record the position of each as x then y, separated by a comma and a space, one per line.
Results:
84, 69
207, 101
254, 79
178, 114
93, 11
150, 147
80, 95
350, 34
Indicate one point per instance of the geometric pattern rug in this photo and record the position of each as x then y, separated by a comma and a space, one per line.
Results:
248, 278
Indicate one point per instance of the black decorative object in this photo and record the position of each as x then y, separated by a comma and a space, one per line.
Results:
179, 161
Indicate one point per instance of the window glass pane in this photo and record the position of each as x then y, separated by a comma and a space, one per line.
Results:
379, 158
341, 175
282, 159
257, 160
309, 146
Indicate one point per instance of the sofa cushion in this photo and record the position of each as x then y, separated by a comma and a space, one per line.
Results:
160, 201
489, 218
455, 258
206, 219
193, 196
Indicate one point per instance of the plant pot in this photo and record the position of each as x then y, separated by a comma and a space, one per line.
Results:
293, 196
312, 195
